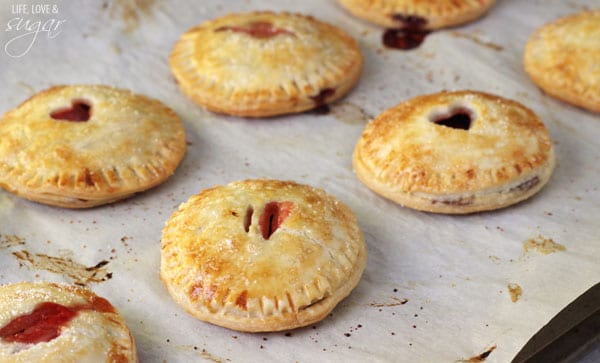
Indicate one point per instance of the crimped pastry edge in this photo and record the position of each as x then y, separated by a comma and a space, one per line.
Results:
290, 317
276, 105
380, 13
65, 189
459, 203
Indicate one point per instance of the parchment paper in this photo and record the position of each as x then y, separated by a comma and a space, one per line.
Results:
435, 289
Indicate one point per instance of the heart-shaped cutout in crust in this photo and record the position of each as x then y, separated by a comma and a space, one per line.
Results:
455, 152
257, 29
458, 118
80, 111
88, 148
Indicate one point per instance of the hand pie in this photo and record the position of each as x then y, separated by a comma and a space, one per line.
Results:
261, 255
264, 64
455, 152
421, 14
48, 322
83, 146
562, 58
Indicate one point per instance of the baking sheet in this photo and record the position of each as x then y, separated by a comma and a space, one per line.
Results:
436, 288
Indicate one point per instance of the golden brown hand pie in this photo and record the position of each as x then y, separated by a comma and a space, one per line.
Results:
49, 322
422, 14
82, 146
264, 64
563, 57
455, 152
261, 255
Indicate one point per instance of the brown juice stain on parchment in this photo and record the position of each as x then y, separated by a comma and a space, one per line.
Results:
5, 202
579, 7
515, 291
396, 302
542, 245
560, 123
480, 357
10, 240
80, 274
27, 87
478, 40
131, 12
349, 113
115, 48
495, 259
206, 355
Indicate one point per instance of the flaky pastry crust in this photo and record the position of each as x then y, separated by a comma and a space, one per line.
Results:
264, 64
425, 14
91, 336
220, 266
562, 58
130, 143
505, 156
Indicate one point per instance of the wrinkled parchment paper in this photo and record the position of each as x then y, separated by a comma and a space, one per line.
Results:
436, 288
